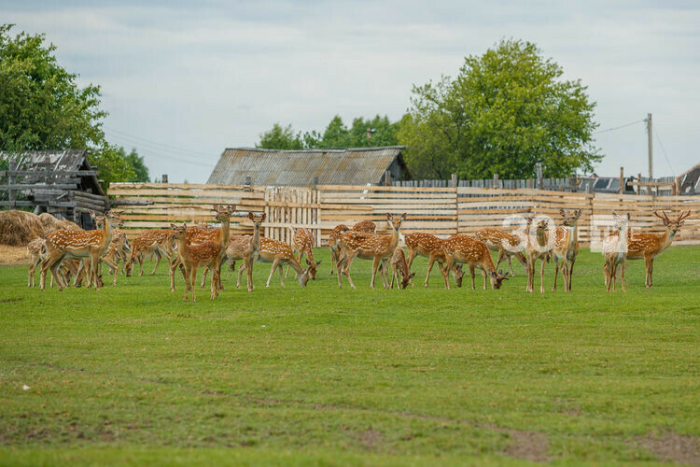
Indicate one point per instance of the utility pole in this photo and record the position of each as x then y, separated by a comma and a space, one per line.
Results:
651, 150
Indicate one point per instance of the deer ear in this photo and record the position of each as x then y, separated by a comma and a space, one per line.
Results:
403, 216
389, 216
216, 207
308, 263
561, 211
263, 217
628, 217
318, 262
251, 216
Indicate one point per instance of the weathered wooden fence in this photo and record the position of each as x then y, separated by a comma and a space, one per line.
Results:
441, 211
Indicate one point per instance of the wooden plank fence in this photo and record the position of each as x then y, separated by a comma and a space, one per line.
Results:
442, 211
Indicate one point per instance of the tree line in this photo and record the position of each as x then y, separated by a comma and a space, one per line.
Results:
43, 108
506, 111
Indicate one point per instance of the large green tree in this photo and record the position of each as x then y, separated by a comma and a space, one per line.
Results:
507, 110
43, 108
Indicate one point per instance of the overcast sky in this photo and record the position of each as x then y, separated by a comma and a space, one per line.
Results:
184, 80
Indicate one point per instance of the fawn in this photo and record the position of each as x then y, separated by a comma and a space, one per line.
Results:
466, 250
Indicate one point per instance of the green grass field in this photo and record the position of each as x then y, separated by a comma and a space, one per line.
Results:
132, 375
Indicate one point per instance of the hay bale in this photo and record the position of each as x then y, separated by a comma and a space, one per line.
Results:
18, 228
50, 224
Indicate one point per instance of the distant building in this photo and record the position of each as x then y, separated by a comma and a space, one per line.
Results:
271, 167
690, 181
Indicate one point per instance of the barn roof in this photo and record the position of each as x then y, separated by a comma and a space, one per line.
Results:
690, 181
357, 166
61, 161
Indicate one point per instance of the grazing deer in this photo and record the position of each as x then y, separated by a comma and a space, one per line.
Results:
474, 253
246, 247
156, 242
537, 248
615, 248
77, 244
378, 248
648, 246
303, 242
399, 264
430, 246
279, 254
505, 244
565, 247
192, 257
333, 238
365, 226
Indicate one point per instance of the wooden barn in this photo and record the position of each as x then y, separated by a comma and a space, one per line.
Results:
271, 167
62, 183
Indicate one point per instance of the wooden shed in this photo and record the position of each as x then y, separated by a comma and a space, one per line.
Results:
62, 183
272, 167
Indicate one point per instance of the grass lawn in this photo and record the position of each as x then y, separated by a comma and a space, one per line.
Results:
132, 375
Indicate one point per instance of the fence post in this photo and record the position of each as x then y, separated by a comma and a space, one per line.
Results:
165, 178
639, 180
495, 181
454, 181
539, 175
622, 180
387, 178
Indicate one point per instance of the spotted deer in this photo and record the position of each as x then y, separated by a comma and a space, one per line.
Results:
505, 244
246, 247
365, 226
303, 243
378, 248
565, 247
151, 242
474, 253
648, 246
333, 238
279, 254
192, 257
35, 249
430, 246
615, 248
399, 265
537, 248
68, 244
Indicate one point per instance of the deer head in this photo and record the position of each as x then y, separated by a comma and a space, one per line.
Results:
312, 269
497, 278
223, 213
395, 223
673, 225
571, 217
621, 222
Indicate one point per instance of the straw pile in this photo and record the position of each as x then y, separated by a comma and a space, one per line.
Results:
17, 228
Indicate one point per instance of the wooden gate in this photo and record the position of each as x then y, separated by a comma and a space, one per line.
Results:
288, 207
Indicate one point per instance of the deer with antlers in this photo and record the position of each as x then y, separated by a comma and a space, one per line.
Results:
474, 253
279, 254
378, 248
615, 249
90, 244
505, 244
399, 265
648, 246
537, 248
565, 247
431, 247
333, 238
246, 247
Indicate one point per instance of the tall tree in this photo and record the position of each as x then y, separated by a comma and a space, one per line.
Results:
280, 137
507, 110
42, 108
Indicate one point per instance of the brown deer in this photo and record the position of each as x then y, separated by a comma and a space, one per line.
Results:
279, 254
152, 242
505, 244
399, 265
365, 226
430, 246
246, 247
333, 238
192, 257
648, 246
303, 243
474, 253
615, 248
90, 244
378, 248
537, 248
35, 250
565, 247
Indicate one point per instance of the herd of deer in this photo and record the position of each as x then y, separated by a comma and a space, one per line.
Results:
79, 253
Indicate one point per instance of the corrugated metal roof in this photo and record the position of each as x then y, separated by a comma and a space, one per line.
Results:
299, 168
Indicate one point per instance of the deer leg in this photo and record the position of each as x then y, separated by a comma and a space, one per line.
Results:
501, 254
542, 276
204, 277
249, 269
243, 267
483, 273
339, 268
375, 265
431, 262
171, 272
649, 270
556, 272
510, 265
385, 271
158, 258
471, 272
622, 274
193, 283
280, 268
348, 264
446, 273
275, 263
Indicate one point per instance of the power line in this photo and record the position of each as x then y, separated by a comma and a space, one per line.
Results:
619, 127
155, 144
156, 153
664, 151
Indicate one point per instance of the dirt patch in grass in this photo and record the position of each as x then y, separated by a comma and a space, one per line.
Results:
682, 449
527, 445
14, 255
